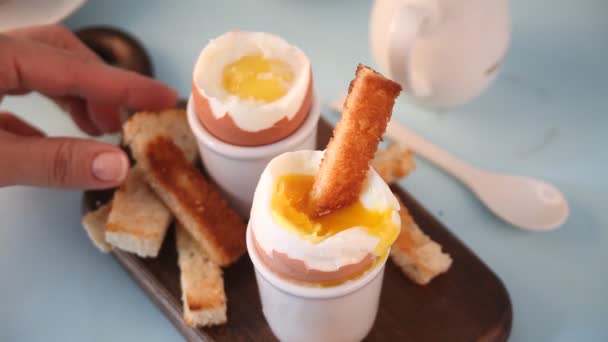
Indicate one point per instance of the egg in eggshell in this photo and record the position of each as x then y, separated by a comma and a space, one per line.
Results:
251, 88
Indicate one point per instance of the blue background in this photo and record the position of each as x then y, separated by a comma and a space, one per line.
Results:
545, 117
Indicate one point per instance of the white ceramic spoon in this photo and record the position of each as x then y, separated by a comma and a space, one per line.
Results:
524, 202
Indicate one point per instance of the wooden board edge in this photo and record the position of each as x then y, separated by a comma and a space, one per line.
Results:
501, 332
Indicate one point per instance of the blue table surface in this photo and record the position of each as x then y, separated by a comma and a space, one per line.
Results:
545, 116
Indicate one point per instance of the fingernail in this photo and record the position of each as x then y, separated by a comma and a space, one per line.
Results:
110, 166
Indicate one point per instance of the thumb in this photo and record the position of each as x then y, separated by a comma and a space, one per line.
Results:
60, 162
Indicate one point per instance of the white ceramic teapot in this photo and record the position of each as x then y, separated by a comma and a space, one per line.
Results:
443, 52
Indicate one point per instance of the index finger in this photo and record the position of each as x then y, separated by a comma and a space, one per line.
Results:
12, 124
55, 72
55, 35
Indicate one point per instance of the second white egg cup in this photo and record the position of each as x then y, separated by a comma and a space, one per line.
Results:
237, 169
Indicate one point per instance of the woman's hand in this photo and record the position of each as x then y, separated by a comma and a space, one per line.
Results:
52, 61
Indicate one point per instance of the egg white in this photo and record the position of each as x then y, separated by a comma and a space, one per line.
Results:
347, 247
250, 115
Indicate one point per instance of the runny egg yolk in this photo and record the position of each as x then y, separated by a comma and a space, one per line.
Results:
257, 78
290, 206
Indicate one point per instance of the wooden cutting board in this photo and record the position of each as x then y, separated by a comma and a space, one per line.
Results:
468, 303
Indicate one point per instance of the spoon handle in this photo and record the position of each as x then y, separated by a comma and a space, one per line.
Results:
452, 165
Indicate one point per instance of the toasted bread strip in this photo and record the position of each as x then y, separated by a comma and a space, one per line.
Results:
394, 162
203, 296
355, 140
419, 257
138, 220
193, 201
94, 223
143, 126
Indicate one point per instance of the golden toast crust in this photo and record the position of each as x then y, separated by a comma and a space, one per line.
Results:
201, 282
419, 257
394, 162
196, 204
94, 223
138, 220
344, 168
143, 126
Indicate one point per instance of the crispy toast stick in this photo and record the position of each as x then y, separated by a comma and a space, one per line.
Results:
138, 220
367, 110
201, 281
164, 148
419, 257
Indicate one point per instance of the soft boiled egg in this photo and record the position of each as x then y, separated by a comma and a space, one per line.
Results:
251, 88
328, 250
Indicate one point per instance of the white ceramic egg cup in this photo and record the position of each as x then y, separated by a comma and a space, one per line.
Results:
297, 312
237, 169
